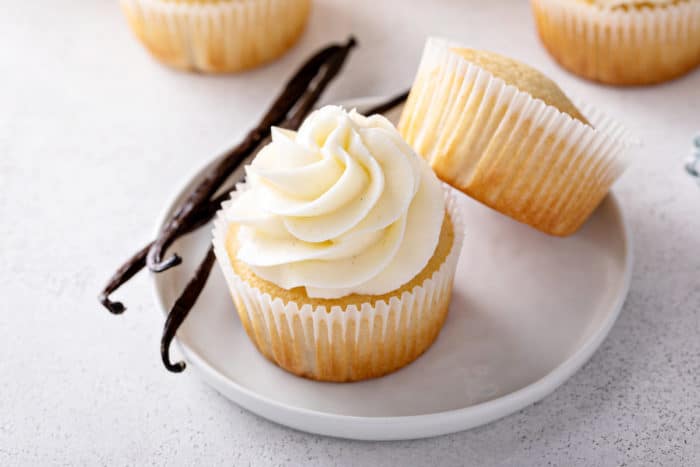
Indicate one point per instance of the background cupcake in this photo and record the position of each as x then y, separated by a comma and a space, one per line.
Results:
340, 249
622, 42
217, 35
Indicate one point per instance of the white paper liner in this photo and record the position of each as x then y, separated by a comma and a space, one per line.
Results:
507, 149
636, 46
219, 37
348, 343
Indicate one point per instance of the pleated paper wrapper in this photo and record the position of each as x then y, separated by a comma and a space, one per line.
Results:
507, 149
350, 343
216, 37
623, 46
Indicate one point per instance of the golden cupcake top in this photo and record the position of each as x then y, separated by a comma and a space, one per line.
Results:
523, 77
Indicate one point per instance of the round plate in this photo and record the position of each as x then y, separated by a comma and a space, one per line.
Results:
527, 311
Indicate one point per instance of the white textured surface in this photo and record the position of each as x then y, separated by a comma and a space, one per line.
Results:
94, 138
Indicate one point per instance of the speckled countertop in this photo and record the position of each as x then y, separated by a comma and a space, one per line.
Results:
95, 137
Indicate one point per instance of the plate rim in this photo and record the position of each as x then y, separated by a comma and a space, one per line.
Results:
403, 426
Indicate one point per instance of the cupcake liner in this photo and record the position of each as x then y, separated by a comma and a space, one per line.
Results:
507, 149
349, 343
217, 37
626, 46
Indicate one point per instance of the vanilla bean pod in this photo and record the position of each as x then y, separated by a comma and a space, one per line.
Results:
186, 213
283, 104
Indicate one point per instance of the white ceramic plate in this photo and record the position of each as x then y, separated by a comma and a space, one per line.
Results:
528, 310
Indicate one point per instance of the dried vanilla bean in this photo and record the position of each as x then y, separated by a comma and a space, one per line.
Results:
185, 218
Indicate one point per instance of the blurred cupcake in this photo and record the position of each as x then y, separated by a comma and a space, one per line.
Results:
217, 35
623, 42
340, 249
506, 135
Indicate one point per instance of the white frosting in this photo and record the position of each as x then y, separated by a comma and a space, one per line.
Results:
342, 206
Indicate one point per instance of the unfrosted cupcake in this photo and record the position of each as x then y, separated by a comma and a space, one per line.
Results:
217, 35
623, 42
340, 249
507, 136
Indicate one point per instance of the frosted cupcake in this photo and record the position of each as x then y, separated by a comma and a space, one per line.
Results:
340, 249
217, 35
622, 42
506, 135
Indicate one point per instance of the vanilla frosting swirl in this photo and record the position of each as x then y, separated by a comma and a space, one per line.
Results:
342, 206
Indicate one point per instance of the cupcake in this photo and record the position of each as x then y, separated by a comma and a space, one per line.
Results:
506, 135
216, 35
624, 42
340, 248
